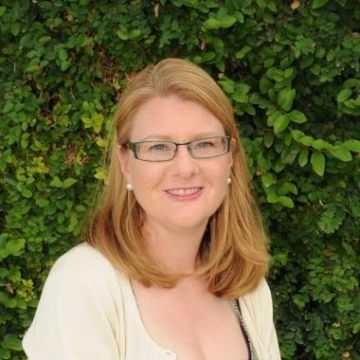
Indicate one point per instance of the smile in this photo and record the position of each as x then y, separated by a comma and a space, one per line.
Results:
182, 192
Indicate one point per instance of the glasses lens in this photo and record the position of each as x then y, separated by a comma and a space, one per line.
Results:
155, 150
210, 147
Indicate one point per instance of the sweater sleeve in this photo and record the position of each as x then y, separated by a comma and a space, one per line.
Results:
258, 317
73, 320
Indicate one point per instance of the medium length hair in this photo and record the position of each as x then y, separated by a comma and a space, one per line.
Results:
233, 254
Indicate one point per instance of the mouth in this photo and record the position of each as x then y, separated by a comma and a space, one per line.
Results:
184, 193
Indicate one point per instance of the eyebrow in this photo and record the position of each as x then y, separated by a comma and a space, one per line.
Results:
163, 137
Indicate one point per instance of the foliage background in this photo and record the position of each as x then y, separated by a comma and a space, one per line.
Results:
291, 69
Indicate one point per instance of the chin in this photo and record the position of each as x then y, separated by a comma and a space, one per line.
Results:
188, 222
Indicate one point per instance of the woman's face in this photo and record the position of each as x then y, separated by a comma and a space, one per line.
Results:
184, 192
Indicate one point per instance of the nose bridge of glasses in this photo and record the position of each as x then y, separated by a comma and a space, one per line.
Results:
187, 145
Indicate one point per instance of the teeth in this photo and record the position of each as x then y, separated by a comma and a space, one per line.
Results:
183, 191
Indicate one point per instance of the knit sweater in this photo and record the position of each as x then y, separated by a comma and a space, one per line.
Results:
87, 311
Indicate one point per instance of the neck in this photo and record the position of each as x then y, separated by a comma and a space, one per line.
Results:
175, 251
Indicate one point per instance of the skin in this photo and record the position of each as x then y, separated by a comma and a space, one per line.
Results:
187, 319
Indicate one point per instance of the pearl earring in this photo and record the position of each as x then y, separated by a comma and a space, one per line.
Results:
228, 180
129, 187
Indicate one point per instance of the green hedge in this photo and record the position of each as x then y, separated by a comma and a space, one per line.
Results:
291, 69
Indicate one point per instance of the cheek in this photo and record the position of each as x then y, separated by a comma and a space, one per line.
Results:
145, 177
221, 171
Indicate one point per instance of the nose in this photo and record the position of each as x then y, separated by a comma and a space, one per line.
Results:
184, 164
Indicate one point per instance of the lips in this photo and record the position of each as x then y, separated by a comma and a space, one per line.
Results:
182, 191
185, 193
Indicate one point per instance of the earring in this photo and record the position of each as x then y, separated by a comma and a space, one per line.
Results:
228, 180
129, 187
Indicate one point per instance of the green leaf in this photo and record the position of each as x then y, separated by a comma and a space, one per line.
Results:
44, 39
269, 62
64, 65
297, 134
68, 182
242, 52
227, 21
4, 354
303, 157
349, 83
122, 34
100, 173
269, 139
285, 98
227, 84
341, 154
12, 343
268, 179
265, 84
262, 3
26, 193
63, 55
135, 34
351, 145
286, 201
316, 4
281, 123
248, 108
343, 95
318, 163
320, 144
299, 300
56, 182
212, 24
240, 94
2, 10
220, 65
103, 143
8, 107
80, 208
14, 246
42, 203
357, 100
209, 56
307, 140
15, 28
297, 116
272, 7
288, 73
356, 328
272, 197
287, 187
256, 98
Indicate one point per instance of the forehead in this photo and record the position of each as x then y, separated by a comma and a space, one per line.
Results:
174, 118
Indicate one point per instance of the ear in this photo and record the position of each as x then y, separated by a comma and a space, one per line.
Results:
123, 158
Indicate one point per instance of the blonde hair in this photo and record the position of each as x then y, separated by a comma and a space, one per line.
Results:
235, 257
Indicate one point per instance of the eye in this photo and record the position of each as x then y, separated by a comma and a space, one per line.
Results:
205, 144
159, 147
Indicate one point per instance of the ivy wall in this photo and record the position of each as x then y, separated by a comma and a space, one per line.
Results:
291, 69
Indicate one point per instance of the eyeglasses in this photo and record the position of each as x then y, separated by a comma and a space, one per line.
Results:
166, 150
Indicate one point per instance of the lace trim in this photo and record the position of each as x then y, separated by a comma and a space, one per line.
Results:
237, 308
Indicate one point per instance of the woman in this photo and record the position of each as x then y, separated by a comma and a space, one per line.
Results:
174, 260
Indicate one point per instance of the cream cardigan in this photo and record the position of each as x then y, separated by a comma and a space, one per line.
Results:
87, 311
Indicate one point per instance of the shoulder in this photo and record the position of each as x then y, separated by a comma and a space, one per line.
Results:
83, 269
260, 298
82, 257
84, 261
82, 299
